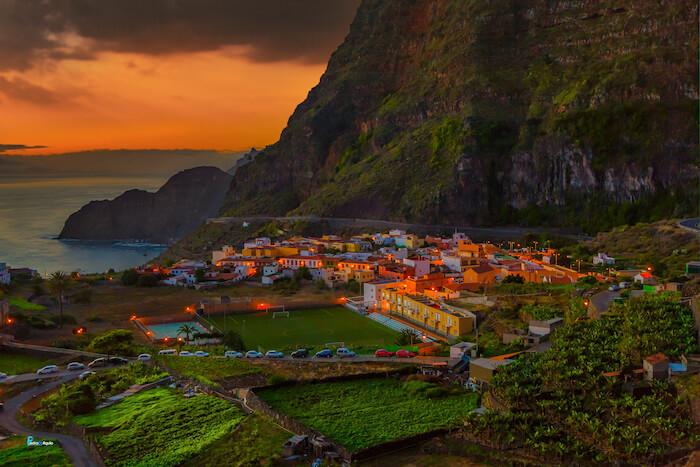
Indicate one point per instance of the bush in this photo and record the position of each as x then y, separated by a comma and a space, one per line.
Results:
130, 277
233, 341
513, 279
407, 337
117, 341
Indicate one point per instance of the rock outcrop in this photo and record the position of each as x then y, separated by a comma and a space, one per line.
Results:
178, 207
465, 111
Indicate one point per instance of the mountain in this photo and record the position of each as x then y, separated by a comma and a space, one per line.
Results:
179, 206
575, 113
114, 163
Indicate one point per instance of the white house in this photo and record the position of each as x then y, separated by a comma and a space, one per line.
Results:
5, 277
372, 291
257, 242
602, 258
461, 348
270, 269
421, 266
645, 278
544, 328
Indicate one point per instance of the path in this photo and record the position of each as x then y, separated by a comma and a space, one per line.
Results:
479, 232
74, 447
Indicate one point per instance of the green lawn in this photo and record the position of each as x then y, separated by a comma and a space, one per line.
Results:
25, 305
307, 328
14, 363
17, 454
162, 428
209, 370
364, 413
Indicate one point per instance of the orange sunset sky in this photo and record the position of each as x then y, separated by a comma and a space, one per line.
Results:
225, 75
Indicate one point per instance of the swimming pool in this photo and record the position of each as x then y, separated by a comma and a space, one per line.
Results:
170, 330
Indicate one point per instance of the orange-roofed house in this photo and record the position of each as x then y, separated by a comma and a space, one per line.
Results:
416, 285
483, 274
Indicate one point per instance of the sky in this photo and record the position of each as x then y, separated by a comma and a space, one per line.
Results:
216, 74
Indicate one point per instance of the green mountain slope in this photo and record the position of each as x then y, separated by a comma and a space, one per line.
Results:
520, 111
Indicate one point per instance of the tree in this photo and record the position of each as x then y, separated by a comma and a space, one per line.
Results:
407, 337
199, 275
130, 277
514, 279
147, 280
59, 283
232, 340
187, 330
116, 341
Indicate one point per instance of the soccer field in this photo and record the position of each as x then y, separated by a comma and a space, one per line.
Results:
307, 328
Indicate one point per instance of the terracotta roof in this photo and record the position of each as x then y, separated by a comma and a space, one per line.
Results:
656, 358
482, 267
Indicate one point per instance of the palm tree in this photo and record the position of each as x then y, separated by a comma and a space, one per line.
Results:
187, 330
58, 283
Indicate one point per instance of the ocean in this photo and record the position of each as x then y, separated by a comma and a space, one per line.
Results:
32, 213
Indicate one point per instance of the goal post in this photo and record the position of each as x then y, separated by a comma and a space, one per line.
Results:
277, 311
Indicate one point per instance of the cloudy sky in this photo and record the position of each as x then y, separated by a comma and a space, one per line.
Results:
219, 74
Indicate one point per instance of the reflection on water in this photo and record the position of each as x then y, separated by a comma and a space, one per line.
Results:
32, 213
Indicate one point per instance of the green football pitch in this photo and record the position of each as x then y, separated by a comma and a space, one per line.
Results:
306, 328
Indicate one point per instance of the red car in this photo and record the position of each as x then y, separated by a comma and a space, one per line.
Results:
401, 353
383, 353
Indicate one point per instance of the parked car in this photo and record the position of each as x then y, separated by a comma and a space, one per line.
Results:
344, 352
186, 353
253, 354
274, 354
614, 288
144, 357
75, 366
300, 353
403, 353
167, 352
383, 353
98, 363
86, 374
117, 361
201, 353
325, 353
624, 285
3, 376
233, 354
48, 369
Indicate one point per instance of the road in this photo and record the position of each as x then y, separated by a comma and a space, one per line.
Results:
358, 359
73, 447
476, 232
33, 376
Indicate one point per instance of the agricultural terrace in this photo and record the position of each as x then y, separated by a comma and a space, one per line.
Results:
211, 370
14, 452
307, 328
161, 427
363, 413
15, 363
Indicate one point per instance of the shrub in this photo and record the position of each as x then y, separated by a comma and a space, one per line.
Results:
130, 277
117, 341
232, 340
147, 280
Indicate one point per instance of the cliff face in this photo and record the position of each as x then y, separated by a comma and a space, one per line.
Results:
506, 111
179, 206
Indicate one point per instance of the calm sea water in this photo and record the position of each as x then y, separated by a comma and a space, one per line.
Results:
32, 213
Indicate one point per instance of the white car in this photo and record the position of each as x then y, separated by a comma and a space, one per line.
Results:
86, 374
233, 354
75, 366
253, 354
144, 357
344, 352
186, 353
167, 352
3, 376
47, 370
201, 353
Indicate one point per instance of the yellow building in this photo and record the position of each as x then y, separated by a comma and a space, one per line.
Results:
442, 319
271, 251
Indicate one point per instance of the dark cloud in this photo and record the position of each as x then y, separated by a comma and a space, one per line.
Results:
18, 147
271, 30
22, 90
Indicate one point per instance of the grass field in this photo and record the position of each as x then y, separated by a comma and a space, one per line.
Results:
307, 328
209, 370
14, 363
162, 428
257, 441
25, 305
15, 453
364, 413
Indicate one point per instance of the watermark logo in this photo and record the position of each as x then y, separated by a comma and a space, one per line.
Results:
36, 442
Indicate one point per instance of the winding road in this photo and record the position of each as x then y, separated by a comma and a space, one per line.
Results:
74, 447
